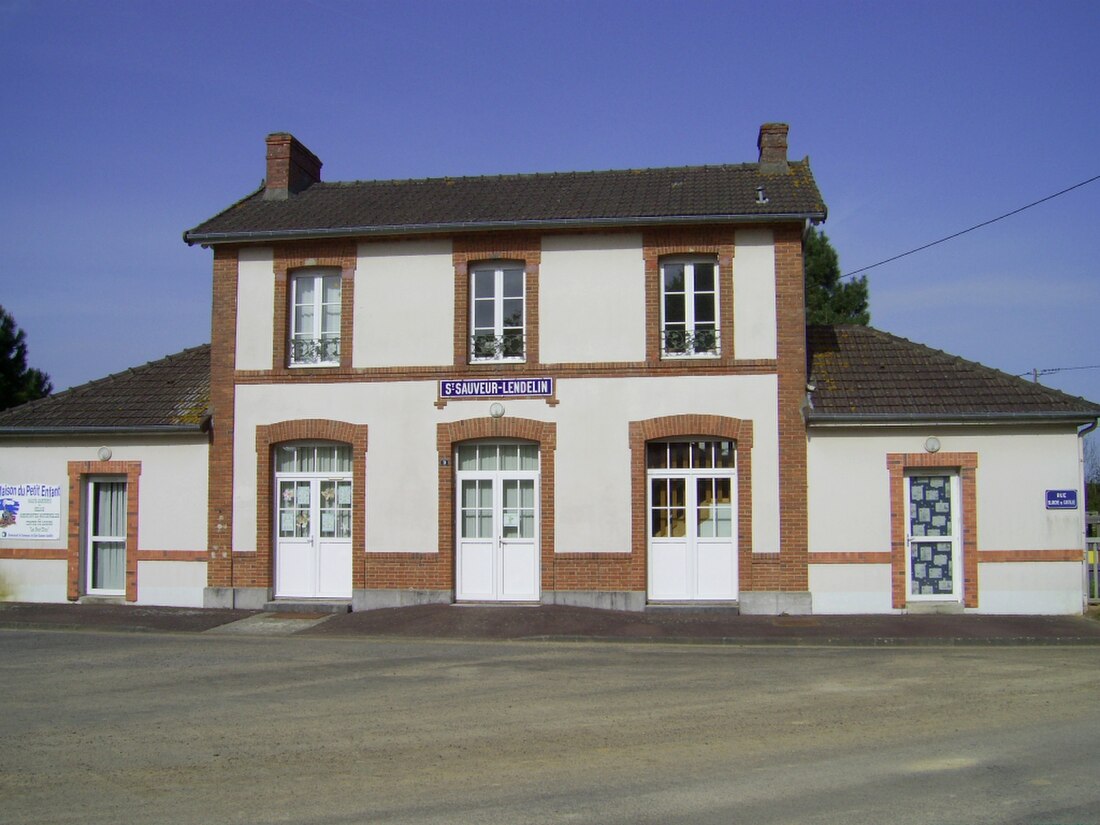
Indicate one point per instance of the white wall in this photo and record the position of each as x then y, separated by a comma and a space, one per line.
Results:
851, 588
35, 580
404, 304
175, 583
592, 462
1030, 587
754, 319
849, 506
849, 510
255, 308
172, 506
592, 299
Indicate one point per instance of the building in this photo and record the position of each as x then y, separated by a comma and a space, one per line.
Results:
584, 388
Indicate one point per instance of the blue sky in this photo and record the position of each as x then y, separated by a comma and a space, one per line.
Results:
128, 122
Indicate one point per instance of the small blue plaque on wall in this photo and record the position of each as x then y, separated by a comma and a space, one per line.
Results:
1061, 499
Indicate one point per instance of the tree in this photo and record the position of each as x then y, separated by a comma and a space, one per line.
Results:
18, 382
828, 299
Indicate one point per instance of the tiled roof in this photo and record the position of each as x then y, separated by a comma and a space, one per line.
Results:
172, 393
613, 198
860, 372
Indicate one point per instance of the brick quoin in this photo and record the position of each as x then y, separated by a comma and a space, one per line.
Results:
223, 353
790, 570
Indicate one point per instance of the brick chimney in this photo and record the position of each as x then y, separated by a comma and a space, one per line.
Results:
291, 167
772, 144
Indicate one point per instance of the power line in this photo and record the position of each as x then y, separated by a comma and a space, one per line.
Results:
1034, 374
971, 229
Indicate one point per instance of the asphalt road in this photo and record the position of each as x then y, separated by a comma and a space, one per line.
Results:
200, 728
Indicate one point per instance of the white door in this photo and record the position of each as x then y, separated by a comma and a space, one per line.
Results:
692, 521
105, 574
313, 523
934, 571
497, 557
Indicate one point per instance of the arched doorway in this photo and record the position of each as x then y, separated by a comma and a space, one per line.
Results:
313, 518
497, 513
692, 520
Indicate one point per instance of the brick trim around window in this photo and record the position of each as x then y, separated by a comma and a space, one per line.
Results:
288, 261
259, 570
448, 437
658, 244
466, 250
80, 473
689, 427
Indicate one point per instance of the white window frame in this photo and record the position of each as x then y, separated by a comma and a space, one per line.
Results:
94, 539
320, 355
490, 345
690, 331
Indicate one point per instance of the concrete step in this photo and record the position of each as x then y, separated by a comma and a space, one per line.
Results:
307, 606
731, 608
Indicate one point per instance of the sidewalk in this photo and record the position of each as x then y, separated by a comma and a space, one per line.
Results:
568, 624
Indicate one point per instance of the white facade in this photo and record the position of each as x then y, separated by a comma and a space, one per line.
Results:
1021, 544
168, 547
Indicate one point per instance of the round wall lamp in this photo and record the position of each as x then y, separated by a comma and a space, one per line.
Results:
496, 410
104, 453
932, 444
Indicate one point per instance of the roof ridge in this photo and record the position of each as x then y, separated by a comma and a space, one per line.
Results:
533, 175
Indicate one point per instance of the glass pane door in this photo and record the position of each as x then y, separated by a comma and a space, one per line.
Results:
107, 537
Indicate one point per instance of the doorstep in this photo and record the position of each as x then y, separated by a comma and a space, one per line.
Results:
317, 606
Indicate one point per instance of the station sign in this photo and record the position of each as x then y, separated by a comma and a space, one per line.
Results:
497, 388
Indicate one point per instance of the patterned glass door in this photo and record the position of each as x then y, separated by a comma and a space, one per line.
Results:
934, 571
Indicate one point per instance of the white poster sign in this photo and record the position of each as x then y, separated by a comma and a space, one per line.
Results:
30, 511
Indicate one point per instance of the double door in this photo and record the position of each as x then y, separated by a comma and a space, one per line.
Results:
313, 548
497, 557
692, 521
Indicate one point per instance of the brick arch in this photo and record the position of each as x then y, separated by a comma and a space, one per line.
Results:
689, 427
449, 435
261, 571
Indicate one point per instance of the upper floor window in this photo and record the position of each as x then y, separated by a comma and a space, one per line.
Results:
689, 307
315, 319
497, 312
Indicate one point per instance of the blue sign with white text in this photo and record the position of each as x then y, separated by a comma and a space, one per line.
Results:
496, 387
1061, 499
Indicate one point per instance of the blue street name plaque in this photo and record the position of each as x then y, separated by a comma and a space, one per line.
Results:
1061, 499
496, 388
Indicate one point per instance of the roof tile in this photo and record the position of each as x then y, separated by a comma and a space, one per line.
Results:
172, 392
861, 371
